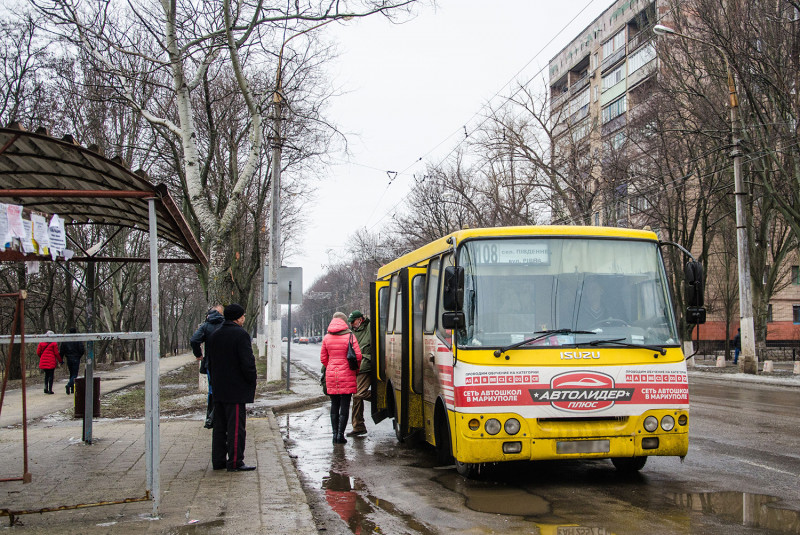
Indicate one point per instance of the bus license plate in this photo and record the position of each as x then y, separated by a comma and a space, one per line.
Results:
583, 446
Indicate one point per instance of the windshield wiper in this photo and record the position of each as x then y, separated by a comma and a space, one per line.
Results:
541, 334
619, 342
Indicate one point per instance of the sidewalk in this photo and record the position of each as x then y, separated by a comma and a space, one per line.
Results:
194, 498
781, 376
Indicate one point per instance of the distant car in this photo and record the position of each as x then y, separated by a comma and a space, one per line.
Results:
295, 339
284, 339
302, 340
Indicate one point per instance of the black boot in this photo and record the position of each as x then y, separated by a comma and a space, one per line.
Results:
335, 427
341, 430
209, 414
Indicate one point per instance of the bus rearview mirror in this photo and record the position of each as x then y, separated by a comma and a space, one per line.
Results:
693, 284
452, 320
453, 291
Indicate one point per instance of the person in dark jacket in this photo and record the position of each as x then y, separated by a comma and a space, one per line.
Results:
737, 346
72, 352
360, 327
232, 367
49, 359
213, 320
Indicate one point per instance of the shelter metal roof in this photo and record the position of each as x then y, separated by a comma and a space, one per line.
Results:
58, 176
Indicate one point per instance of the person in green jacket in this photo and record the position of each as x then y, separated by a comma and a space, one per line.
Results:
360, 327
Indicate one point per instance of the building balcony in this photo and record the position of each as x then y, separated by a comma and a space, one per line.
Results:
611, 61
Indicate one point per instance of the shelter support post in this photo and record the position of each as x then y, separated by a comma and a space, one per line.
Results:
152, 353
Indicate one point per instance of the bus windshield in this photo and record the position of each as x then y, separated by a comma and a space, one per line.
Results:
588, 289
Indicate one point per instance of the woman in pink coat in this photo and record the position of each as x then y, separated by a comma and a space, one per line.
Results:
340, 380
49, 358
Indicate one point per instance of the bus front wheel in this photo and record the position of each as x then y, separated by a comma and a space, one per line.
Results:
468, 470
628, 465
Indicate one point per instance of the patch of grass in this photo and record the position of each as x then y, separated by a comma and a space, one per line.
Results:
173, 388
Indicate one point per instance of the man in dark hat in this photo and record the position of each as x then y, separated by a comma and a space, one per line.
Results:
360, 327
232, 368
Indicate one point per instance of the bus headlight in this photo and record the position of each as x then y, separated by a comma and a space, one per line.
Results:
493, 426
512, 426
682, 419
667, 423
474, 424
650, 423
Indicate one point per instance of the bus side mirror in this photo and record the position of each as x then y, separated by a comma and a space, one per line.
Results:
452, 320
693, 284
453, 291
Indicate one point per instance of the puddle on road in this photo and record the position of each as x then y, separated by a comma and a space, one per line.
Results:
347, 503
751, 510
492, 497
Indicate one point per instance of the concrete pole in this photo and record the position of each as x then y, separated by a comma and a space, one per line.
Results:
748, 335
274, 307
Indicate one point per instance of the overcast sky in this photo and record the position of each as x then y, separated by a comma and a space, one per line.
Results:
411, 90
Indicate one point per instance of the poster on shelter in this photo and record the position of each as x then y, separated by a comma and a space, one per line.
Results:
14, 215
5, 237
41, 236
58, 240
27, 237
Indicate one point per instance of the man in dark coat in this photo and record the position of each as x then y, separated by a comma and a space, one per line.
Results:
72, 352
360, 327
213, 320
232, 368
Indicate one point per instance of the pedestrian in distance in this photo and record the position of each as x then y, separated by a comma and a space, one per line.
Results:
232, 367
737, 346
214, 319
340, 380
72, 353
359, 324
49, 359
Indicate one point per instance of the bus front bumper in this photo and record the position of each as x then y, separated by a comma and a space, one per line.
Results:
486, 450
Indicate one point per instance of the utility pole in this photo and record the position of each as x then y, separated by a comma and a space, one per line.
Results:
274, 307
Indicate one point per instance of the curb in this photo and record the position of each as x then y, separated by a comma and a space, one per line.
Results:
772, 380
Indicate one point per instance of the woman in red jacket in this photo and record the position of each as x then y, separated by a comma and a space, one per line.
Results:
49, 358
340, 380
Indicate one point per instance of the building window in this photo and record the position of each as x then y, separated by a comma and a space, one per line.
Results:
596, 92
615, 109
594, 61
614, 77
597, 219
795, 274
641, 58
613, 44
796, 314
769, 313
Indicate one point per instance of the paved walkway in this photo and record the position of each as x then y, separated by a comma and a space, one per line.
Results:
194, 498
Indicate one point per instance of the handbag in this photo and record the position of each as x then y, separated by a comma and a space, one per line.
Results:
352, 360
323, 383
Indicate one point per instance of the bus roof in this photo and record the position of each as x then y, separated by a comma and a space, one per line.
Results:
435, 247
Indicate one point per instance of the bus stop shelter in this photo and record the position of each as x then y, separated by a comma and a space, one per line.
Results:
49, 176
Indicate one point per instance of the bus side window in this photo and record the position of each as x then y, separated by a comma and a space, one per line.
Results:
383, 315
430, 295
445, 335
393, 285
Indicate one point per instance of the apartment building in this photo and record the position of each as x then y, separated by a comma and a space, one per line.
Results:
596, 83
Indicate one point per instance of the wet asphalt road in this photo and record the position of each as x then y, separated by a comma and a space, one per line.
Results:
742, 475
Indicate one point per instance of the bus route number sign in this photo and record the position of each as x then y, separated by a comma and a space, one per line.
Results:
513, 252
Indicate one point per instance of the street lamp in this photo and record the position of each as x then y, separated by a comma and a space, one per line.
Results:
748, 339
273, 255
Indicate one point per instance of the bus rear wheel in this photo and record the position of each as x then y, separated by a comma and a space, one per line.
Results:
628, 465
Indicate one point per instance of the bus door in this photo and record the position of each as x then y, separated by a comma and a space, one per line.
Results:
408, 315
379, 312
